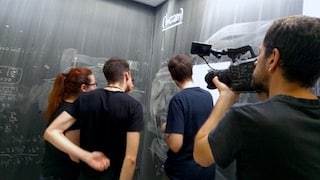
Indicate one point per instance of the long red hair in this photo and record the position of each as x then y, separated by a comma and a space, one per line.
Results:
66, 85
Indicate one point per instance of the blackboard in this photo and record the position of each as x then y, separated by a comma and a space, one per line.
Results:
19, 147
38, 39
21, 121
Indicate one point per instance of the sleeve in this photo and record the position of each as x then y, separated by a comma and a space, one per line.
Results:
226, 140
175, 117
136, 123
75, 107
70, 110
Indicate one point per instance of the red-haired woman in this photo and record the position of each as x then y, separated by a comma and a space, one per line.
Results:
67, 87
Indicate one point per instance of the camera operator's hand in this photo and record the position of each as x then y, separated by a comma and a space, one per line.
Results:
225, 91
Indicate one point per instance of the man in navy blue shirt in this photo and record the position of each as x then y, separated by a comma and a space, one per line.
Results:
188, 110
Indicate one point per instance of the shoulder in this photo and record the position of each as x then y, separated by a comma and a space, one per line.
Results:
247, 107
134, 101
96, 91
90, 94
65, 104
126, 100
194, 93
265, 105
195, 90
244, 114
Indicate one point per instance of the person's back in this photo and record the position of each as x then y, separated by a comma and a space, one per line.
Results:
279, 138
195, 106
106, 116
187, 111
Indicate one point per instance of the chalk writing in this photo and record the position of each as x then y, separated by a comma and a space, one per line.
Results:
10, 49
22, 150
10, 75
8, 95
8, 123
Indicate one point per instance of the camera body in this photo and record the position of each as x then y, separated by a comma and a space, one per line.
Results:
238, 76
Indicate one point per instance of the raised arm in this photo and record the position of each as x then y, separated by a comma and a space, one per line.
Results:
202, 152
54, 135
129, 163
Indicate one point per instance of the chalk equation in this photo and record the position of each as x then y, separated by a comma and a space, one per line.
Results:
8, 94
8, 123
10, 75
21, 151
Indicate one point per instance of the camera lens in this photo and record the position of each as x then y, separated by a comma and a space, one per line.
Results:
223, 76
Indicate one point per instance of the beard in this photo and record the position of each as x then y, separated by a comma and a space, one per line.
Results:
260, 83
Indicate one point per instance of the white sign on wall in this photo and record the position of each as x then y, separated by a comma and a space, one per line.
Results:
172, 21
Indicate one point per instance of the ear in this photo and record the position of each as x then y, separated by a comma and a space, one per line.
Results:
83, 88
173, 79
126, 76
274, 59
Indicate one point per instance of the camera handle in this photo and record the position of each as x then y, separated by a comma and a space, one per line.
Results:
233, 54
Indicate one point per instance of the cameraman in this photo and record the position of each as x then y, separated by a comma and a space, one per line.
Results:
278, 138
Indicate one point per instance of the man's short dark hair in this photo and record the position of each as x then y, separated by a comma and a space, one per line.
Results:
180, 67
114, 68
298, 40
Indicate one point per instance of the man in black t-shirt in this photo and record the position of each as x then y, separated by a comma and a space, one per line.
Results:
278, 138
110, 122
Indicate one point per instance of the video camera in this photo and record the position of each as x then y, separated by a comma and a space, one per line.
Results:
238, 76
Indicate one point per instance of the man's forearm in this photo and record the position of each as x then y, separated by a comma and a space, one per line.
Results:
129, 162
54, 134
128, 167
59, 140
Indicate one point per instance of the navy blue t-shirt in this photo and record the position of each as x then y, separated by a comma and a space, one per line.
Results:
187, 111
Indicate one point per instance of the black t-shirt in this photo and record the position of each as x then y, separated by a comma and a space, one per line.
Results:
56, 163
275, 139
104, 118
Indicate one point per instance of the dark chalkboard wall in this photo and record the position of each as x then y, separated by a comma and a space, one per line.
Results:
222, 23
39, 38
